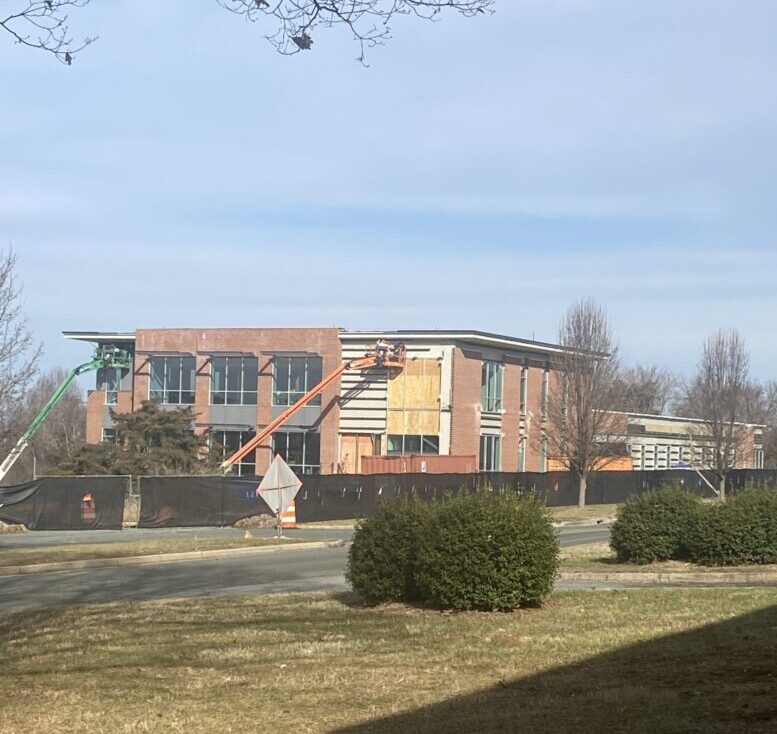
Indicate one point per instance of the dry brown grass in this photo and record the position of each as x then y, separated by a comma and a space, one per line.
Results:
317, 663
91, 551
599, 557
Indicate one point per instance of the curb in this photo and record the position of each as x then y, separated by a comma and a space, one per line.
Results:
159, 558
603, 521
673, 577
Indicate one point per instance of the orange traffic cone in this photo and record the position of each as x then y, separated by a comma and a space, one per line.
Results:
289, 518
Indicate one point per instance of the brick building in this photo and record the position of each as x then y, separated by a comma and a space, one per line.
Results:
461, 393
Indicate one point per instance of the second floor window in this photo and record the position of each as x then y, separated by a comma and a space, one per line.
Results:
491, 386
109, 379
172, 380
233, 380
524, 389
293, 377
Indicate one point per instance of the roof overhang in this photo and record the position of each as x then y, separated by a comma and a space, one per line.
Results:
100, 337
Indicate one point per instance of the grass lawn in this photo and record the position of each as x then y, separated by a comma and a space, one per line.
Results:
598, 557
74, 552
642, 660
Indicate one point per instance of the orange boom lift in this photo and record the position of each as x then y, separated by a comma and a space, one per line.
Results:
384, 355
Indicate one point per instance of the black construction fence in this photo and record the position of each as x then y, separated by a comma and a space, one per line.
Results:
66, 503
201, 501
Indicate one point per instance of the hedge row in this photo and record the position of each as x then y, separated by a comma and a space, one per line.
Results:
479, 551
672, 524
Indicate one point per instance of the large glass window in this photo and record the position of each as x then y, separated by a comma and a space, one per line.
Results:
225, 443
398, 445
233, 380
293, 377
491, 386
490, 453
172, 380
300, 450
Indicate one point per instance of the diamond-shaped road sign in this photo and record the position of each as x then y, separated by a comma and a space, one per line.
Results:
279, 486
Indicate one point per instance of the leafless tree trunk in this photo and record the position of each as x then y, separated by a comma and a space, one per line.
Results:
581, 428
19, 355
718, 395
44, 24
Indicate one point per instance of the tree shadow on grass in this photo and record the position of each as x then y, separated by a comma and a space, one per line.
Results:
718, 678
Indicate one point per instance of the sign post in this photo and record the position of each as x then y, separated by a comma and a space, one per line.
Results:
278, 488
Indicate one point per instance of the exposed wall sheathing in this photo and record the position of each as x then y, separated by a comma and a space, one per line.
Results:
414, 399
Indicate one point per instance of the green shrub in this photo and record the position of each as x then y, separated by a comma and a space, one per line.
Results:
381, 560
655, 526
487, 552
741, 531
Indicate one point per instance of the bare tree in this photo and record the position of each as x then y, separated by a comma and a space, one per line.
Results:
19, 354
580, 428
60, 436
645, 389
718, 395
45, 24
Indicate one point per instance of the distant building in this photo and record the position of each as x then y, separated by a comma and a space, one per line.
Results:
461, 394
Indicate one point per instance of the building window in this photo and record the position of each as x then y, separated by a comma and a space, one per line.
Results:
109, 435
233, 380
300, 450
406, 445
522, 454
490, 453
225, 443
758, 459
109, 379
293, 377
491, 387
545, 392
172, 380
544, 455
524, 389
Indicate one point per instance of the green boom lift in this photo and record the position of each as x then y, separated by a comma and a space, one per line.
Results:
105, 356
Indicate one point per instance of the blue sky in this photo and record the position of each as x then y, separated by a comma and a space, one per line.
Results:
479, 174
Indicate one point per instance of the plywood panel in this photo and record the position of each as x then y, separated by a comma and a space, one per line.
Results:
413, 423
429, 423
396, 422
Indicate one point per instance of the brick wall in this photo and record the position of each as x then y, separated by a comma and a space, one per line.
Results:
465, 404
324, 342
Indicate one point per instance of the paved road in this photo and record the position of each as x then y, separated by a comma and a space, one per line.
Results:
304, 570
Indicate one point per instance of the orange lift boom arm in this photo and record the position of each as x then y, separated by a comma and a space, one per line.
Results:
362, 363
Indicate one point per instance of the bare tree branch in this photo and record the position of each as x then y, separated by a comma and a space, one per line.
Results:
44, 24
719, 395
581, 428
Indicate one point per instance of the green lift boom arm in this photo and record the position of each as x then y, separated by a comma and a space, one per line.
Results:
107, 356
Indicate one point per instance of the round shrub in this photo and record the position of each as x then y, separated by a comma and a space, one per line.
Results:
741, 531
381, 560
654, 526
487, 552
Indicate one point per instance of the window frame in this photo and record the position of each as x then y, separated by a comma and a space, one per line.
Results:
244, 468
492, 376
522, 454
249, 364
165, 390
296, 467
424, 439
309, 383
490, 457
524, 391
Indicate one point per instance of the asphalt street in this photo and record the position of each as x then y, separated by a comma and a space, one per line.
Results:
283, 571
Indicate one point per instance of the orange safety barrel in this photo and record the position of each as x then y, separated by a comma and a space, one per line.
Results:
289, 517
88, 509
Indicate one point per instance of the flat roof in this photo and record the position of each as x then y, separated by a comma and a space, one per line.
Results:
677, 418
477, 337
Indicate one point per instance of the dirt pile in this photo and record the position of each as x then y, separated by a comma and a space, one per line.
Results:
256, 521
